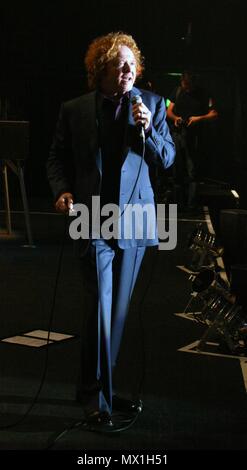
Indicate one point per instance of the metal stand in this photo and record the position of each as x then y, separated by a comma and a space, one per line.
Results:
217, 328
18, 170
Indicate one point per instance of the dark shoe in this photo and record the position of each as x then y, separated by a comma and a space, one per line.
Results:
101, 422
98, 421
127, 406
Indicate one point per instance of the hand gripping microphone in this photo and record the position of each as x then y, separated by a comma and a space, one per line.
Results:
136, 100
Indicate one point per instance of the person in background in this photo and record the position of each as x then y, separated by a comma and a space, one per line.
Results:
105, 144
190, 106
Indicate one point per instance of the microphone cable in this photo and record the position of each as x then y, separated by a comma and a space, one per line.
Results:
131, 422
51, 317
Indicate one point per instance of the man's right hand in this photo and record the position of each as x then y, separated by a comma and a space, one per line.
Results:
63, 203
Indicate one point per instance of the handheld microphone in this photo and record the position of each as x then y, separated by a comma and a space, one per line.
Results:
136, 100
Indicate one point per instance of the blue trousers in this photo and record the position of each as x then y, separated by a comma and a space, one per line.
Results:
110, 279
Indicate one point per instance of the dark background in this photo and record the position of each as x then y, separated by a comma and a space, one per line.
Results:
42, 47
192, 401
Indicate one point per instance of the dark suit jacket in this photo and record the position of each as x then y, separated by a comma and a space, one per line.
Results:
74, 164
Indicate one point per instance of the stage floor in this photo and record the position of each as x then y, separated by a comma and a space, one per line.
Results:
192, 400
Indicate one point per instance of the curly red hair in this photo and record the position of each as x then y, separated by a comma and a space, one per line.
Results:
104, 49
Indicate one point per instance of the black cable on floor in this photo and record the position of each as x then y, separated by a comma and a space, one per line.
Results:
122, 424
53, 303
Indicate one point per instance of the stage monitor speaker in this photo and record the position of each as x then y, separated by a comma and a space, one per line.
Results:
14, 140
216, 197
233, 235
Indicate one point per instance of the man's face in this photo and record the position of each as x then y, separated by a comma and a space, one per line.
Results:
186, 83
120, 73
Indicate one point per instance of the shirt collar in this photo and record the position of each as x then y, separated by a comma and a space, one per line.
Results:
116, 100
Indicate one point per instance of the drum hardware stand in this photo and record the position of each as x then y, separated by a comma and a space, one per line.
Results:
18, 171
14, 148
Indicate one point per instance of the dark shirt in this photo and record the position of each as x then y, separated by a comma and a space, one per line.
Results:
190, 103
112, 127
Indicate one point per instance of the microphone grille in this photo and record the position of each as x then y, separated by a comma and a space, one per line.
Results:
136, 99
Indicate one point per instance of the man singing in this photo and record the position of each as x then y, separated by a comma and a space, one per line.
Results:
106, 144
